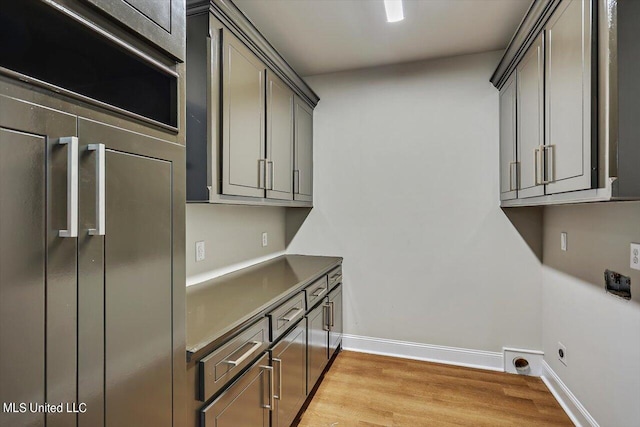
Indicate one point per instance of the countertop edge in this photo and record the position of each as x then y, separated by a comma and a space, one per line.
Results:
205, 346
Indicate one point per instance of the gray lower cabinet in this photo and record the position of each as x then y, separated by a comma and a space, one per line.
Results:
247, 402
289, 361
530, 120
317, 344
38, 266
508, 165
243, 120
161, 22
568, 150
303, 151
335, 319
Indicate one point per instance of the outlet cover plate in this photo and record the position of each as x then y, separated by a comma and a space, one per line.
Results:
635, 256
562, 358
265, 239
200, 251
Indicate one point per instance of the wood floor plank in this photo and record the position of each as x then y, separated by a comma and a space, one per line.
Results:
370, 390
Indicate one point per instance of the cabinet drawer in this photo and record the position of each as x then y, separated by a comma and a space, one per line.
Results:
247, 402
335, 276
316, 291
285, 316
219, 367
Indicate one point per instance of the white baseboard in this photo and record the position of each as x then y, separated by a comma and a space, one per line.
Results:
432, 353
571, 405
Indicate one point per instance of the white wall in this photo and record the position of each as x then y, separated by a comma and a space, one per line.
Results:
406, 190
232, 234
601, 332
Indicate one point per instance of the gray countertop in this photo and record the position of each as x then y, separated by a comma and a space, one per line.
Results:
220, 305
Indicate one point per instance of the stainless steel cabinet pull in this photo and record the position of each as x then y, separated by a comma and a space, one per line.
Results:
248, 353
271, 387
540, 159
279, 361
549, 163
101, 207
261, 173
296, 181
316, 293
513, 186
72, 186
325, 320
331, 314
270, 167
537, 164
289, 318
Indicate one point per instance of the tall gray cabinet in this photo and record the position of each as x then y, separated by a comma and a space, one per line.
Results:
91, 229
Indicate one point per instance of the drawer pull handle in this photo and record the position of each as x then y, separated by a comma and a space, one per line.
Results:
289, 317
239, 360
319, 291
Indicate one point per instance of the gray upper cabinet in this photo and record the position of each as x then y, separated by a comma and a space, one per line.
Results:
303, 151
568, 150
243, 120
279, 139
530, 120
249, 115
161, 22
508, 166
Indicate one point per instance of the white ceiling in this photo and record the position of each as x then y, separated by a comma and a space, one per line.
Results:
321, 36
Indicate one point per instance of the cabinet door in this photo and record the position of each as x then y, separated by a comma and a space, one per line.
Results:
246, 402
38, 279
290, 366
568, 153
303, 151
279, 139
126, 292
335, 319
162, 22
243, 119
508, 166
317, 344
530, 120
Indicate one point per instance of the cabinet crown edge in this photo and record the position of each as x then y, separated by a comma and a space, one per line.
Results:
242, 27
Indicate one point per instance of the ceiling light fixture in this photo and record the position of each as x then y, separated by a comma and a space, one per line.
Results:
394, 10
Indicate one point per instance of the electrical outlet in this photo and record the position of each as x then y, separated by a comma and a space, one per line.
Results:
265, 239
563, 241
635, 256
562, 353
200, 254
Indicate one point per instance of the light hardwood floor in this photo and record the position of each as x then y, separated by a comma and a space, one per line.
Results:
370, 390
